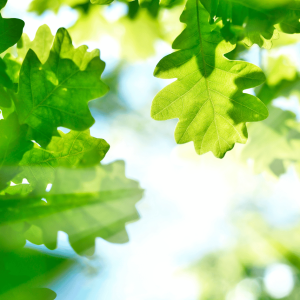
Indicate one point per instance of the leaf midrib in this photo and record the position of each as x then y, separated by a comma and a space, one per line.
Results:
205, 71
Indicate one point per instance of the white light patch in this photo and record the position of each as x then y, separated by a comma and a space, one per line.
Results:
249, 91
25, 181
44, 199
240, 295
49, 187
63, 129
291, 103
185, 287
247, 289
110, 48
36, 143
18, 5
279, 280
115, 11
66, 17
162, 48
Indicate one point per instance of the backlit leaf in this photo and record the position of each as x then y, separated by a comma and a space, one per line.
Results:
208, 96
85, 203
41, 44
76, 148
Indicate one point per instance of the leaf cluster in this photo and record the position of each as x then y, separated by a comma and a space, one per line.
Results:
213, 28
254, 22
53, 181
207, 98
274, 143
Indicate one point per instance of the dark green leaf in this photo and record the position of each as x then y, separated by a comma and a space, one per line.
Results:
5, 80
26, 271
2, 3
290, 23
45, 90
13, 69
11, 31
13, 145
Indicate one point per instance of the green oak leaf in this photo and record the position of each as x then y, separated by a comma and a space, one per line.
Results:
251, 25
5, 79
41, 44
12, 235
11, 31
90, 203
76, 148
7, 87
5, 100
212, 7
28, 270
290, 23
46, 90
13, 145
13, 68
208, 96
254, 21
85, 203
260, 31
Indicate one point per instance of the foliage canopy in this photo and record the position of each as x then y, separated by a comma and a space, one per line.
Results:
45, 84
51, 173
